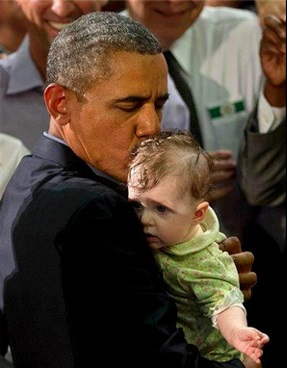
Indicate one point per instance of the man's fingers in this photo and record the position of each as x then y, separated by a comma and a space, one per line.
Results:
248, 280
231, 245
244, 261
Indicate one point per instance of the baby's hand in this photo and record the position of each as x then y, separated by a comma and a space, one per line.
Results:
251, 342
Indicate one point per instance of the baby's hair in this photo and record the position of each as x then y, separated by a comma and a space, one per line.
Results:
176, 154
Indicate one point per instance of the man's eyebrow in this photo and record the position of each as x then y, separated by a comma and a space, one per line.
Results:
132, 99
140, 99
163, 98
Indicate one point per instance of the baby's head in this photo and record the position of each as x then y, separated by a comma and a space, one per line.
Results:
169, 179
171, 154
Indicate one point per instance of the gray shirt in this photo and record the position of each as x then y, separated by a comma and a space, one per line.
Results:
23, 112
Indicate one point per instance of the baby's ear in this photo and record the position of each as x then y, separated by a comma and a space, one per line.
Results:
200, 212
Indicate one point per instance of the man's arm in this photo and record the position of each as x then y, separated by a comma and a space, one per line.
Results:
113, 285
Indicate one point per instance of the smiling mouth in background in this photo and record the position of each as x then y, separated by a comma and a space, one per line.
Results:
171, 15
58, 26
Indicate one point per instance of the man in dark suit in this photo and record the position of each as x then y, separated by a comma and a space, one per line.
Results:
263, 180
262, 175
79, 286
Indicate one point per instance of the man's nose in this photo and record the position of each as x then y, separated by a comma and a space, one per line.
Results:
63, 8
148, 122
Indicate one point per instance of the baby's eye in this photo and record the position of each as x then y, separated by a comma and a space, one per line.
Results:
161, 209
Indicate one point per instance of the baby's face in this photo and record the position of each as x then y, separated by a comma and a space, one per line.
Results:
166, 213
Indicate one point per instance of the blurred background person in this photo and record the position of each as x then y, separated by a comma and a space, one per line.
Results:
210, 60
262, 174
11, 152
23, 112
262, 169
12, 27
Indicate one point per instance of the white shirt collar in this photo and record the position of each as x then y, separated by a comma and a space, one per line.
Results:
23, 74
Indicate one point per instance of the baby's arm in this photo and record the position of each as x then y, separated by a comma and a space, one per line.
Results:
232, 324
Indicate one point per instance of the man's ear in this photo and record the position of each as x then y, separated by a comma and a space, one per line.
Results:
55, 97
200, 212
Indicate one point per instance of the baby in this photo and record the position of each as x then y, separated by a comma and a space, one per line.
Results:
169, 179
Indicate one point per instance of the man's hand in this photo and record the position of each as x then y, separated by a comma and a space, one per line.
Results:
244, 262
273, 59
249, 363
223, 174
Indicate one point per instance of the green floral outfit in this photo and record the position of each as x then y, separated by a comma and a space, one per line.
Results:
204, 281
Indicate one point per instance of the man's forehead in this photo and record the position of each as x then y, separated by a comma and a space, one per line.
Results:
125, 63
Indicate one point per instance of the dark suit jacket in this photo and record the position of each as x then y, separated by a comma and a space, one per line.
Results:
81, 286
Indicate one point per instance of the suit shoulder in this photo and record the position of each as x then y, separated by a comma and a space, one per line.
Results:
85, 189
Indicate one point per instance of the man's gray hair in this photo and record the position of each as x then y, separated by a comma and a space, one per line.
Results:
79, 55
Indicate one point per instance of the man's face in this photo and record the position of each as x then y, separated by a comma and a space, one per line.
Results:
51, 16
168, 20
118, 112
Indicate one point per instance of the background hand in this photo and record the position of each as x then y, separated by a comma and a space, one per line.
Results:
266, 7
273, 59
223, 175
273, 50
